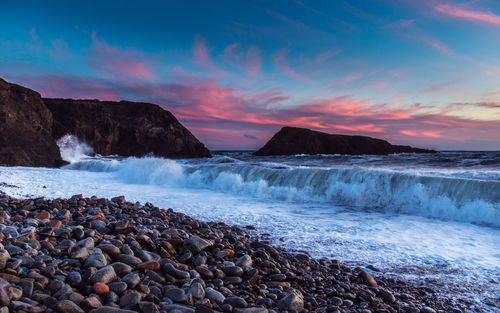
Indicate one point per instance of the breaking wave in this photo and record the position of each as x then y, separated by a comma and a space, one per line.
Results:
423, 194
72, 150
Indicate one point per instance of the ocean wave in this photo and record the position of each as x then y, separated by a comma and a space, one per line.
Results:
451, 198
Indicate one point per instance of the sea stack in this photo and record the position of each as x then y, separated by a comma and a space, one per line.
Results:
293, 140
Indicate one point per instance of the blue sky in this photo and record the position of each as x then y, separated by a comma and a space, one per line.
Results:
415, 72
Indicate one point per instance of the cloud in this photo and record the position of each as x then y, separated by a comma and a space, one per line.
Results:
249, 136
402, 23
485, 16
379, 84
440, 86
281, 17
246, 60
120, 64
488, 105
221, 115
281, 62
59, 49
407, 28
200, 52
201, 57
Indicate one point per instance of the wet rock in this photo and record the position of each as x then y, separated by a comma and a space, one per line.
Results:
121, 269
105, 275
386, 295
291, 301
147, 307
170, 269
368, 279
90, 303
4, 258
178, 308
214, 296
197, 291
236, 302
130, 299
68, 306
131, 280
96, 260
233, 271
196, 244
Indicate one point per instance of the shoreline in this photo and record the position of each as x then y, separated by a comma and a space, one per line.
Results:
252, 275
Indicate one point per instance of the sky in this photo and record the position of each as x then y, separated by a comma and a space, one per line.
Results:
424, 73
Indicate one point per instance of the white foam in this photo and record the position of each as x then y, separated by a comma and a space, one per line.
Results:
72, 150
415, 193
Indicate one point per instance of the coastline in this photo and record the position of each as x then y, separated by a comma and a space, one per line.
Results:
263, 278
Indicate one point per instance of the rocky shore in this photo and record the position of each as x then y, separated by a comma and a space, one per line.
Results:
99, 255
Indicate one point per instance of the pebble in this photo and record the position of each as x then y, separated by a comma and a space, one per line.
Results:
68, 306
105, 275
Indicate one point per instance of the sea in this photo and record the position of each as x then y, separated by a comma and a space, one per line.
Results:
430, 219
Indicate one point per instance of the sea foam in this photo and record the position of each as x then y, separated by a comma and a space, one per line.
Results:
382, 190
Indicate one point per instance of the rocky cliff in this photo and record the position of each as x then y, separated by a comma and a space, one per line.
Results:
124, 128
292, 140
30, 126
25, 129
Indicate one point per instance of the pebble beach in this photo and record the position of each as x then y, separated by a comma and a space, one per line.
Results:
110, 255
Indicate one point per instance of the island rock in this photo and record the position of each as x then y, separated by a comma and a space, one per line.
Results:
293, 140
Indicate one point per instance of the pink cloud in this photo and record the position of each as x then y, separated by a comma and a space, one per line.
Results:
59, 49
248, 61
128, 64
379, 84
201, 57
440, 86
220, 115
401, 23
485, 16
281, 62
348, 79
200, 52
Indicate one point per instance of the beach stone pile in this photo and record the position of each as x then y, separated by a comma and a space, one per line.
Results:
98, 255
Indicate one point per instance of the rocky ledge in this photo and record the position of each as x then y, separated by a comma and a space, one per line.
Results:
293, 140
124, 128
30, 127
98, 255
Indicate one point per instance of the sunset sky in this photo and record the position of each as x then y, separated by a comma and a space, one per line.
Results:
425, 73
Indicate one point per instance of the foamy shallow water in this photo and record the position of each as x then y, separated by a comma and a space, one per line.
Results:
459, 256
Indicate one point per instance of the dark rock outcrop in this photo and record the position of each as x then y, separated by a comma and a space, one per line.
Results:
124, 128
293, 140
26, 129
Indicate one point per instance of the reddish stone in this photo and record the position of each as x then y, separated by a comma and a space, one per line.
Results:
368, 279
90, 303
151, 265
55, 224
230, 252
43, 215
164, 253
101, 288
18, 218
10, 271
119, 199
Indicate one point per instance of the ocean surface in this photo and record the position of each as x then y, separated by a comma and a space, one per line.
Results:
433, 219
